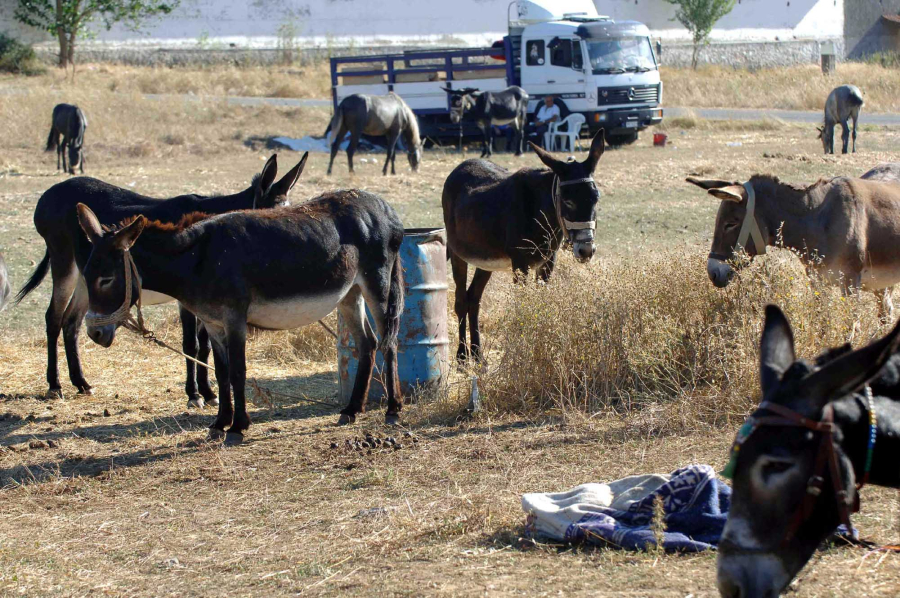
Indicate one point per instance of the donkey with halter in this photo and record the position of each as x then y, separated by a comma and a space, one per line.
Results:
497, 220
273, 269
5, 288
849, 226
70, 122
67, 252
800, 459
376, 115
489, 108
843, 103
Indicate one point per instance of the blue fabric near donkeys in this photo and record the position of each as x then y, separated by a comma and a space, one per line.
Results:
694, 501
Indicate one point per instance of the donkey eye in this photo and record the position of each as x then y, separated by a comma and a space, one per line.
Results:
105, 281
775, 467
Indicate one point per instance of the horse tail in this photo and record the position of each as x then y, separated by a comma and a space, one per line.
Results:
855, 98
335, 125
52, 139
394, 307
36, 278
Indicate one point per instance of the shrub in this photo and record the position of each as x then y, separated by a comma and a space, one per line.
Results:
18, 58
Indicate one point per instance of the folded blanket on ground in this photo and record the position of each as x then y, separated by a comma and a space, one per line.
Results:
695, 506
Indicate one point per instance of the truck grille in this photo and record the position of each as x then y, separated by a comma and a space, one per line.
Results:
628, 95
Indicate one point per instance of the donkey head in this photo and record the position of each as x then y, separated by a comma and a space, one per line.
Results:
74, 156
730, 220
269, 194
415, 155
576, 196
461, 100
104, 272
824, 137
772, 528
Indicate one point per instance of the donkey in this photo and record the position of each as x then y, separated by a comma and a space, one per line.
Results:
67, 252
489, 108
798, 462
274, 269
5, 288
70, 122
497, 220
849, 226
842, 104
376, 115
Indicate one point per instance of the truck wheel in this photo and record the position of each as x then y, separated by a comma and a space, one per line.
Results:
622, 139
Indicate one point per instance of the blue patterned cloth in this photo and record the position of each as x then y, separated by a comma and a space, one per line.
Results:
696, 506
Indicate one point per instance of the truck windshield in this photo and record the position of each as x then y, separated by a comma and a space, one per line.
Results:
621, 54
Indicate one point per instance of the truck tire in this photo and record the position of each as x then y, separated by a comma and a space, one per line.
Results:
621, 139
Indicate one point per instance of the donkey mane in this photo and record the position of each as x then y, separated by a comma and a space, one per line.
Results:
411, 121
186, 221
796, 199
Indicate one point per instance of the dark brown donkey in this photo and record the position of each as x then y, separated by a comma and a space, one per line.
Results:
67, 252
274, 269
70, 122
850, 226
802, 456
497, 220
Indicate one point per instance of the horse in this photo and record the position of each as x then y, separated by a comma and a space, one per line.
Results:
67, 252
5, 288
799, 460
376, 115
497, 220
491, 108
843, 227
70, 122
843, 103
272, 269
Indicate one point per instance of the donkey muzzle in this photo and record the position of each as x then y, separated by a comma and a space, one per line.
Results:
720, 273
102, 335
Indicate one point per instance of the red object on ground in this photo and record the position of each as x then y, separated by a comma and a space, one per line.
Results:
659, 139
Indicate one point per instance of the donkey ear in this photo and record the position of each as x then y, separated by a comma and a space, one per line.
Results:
267, 176
849, 372
89, 223
709, 183
735, 193
597, 147
548, 159
776, 349
284, 186
126, 237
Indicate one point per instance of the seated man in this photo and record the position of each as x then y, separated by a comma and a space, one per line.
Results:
546, 114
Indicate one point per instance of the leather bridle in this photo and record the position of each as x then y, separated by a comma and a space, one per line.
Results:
123, 313
749, 229
568, 226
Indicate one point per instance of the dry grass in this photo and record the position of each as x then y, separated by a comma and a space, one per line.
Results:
794, 88
629, 365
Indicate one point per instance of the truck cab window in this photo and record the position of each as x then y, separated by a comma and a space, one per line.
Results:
561, 52
621, 54
534, 53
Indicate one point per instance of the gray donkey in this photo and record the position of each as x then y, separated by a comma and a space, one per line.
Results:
843, 103
70, 122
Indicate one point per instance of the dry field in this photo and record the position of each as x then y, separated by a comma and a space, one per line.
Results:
631, 364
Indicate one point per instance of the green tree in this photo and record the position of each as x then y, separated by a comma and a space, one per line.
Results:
699, 17
68, 20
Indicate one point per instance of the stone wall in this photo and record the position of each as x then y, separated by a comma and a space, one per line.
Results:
750, 55
865, 31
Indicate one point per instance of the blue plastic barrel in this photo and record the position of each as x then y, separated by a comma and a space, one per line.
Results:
423, 345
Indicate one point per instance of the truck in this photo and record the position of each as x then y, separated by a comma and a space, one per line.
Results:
591, 64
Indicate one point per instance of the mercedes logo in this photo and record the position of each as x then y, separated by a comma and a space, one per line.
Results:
630, 93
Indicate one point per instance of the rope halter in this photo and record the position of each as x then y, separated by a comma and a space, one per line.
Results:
123, 314
749, 228
568, 226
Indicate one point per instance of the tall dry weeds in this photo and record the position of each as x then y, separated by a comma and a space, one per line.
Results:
652, 338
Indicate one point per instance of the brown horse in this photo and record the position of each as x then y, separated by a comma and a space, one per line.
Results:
850, 226
498, 220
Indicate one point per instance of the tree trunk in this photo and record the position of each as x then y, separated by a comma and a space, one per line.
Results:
63, 49
695, 55
71, 49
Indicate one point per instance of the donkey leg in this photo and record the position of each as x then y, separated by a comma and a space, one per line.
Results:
236, 341
473, 297
353, 312
63, 272
845, 136
546, 269
351, 149
336, 146
189, 347
225, 414
72, 319
203, 349
460, 306
855, 117
376, 290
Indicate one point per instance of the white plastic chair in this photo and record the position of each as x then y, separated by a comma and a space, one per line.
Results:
572, 124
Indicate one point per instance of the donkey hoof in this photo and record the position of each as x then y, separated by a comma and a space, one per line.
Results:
392, 419
53, 393
212, 402
86, 391
216, 434
233, 438
195, 404
345, 420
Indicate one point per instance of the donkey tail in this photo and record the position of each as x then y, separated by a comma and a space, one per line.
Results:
52, 139
334, 127
394, 307
36, 278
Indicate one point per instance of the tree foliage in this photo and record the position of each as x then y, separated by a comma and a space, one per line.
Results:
699, 17
70, 19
